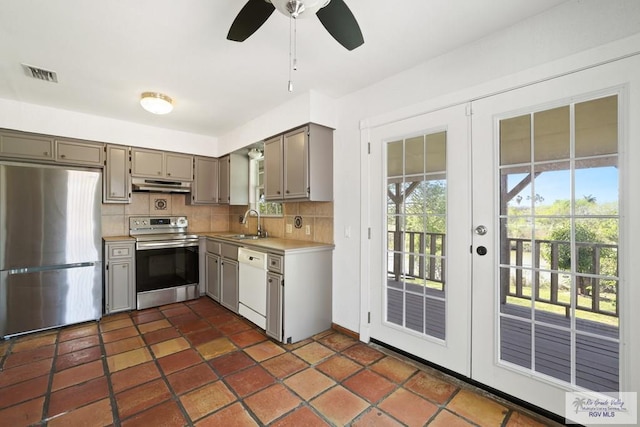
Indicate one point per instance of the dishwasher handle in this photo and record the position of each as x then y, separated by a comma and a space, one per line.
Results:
253, 258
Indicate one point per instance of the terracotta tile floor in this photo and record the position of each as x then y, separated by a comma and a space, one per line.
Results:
197, 364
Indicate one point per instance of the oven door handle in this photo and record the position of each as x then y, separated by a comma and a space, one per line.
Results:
142, 246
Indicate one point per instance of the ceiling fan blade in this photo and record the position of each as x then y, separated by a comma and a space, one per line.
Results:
250, 18
341, 24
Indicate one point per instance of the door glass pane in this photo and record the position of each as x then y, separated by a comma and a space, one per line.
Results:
559, 284
515, 140
515, 191
597, 127
551, 134
416, 231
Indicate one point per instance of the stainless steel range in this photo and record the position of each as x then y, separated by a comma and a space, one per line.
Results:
166, 260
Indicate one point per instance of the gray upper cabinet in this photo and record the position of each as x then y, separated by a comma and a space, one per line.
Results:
26, 146
179, 166
273, 173
204, 190
158, 164
116, 181
79, 152
298, 165
233, 183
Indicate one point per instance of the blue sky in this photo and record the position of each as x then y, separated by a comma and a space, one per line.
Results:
601, 183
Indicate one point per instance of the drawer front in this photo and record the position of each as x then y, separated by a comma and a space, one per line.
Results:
229, 251
275, 263
213, 247
121, 251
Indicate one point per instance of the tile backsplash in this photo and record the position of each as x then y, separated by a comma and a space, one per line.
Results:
115, 217
316, 218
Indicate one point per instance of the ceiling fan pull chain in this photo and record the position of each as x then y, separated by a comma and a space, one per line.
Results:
295, 44
290, 86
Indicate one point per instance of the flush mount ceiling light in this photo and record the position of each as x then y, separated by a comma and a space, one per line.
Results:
156, 103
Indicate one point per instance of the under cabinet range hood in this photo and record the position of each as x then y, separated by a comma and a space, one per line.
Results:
160, 186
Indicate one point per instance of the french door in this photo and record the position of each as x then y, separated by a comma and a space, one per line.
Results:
501, 243
420, 302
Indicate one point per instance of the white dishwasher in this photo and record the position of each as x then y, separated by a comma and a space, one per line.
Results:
253, 286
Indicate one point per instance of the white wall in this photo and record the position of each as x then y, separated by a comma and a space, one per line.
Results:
533, 49
572, 35
301, 109
53, 121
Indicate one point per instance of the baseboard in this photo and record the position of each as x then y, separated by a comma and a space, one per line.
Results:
345, 331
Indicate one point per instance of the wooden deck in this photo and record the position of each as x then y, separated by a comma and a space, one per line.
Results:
597, 348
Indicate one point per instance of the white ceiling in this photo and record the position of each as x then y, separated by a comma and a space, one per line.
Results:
107, 52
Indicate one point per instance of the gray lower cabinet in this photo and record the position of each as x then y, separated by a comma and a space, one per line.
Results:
120, 288
212, 276
275, 283
229, 284
222, 273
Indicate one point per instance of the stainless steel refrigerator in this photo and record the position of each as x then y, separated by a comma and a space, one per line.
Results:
50, 247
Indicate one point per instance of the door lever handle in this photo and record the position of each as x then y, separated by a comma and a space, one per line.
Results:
481, 230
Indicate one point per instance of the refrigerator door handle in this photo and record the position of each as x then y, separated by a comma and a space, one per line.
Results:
27, 270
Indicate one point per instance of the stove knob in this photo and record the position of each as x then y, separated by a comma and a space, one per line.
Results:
144, 222
137, 222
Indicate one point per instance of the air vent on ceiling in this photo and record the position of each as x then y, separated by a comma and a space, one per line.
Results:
40, 73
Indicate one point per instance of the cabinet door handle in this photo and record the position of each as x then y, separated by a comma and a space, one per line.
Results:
63, 156
278, 192
159, 173
168, 174
287, 191
124, 266
270, 280
46, 153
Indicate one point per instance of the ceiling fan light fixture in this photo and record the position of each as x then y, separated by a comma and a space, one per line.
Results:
254, 154
156, 103
299, 8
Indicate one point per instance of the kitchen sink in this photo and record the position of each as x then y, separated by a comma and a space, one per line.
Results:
245, 237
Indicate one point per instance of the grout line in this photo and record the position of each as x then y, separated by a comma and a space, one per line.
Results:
107, 374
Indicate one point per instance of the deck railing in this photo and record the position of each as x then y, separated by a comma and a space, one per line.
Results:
424, 256
419, 255
518, 249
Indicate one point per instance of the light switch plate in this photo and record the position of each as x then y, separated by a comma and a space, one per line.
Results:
307, 230
289, 228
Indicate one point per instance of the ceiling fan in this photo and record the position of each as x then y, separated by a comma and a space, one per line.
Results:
334, 15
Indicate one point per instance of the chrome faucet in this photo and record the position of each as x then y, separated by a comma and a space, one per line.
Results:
245, 217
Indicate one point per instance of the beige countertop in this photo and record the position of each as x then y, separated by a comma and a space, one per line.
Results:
271, 243
118, 238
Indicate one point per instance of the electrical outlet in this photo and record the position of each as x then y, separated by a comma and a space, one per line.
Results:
307, 230
289, 228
